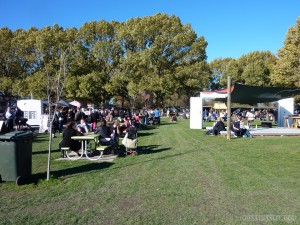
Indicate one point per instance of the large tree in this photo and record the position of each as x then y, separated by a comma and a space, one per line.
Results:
100, 56
218, 69
287, 70
257, 68
12, 57
154, 48
254, 68
153, 56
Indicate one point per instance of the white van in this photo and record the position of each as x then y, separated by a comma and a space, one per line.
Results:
34, 111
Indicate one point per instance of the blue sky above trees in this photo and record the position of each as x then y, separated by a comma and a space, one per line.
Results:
232, 28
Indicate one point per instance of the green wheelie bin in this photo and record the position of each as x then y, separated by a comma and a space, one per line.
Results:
16, 156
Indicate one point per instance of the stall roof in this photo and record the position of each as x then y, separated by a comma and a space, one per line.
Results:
220, 105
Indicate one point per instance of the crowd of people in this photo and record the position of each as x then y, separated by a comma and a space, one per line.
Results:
241, 122
260, 114
14, 118
110, 124
123, 116
237, 126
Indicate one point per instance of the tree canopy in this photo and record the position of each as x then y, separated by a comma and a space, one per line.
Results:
287, 69
144, 60
154, 54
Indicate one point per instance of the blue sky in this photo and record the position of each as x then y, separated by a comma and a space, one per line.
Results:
231, 27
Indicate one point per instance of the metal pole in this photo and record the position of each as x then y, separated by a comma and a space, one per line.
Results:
228, 106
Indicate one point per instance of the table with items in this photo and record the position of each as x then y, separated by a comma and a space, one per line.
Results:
295, 121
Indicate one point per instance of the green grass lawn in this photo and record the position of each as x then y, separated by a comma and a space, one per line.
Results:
180, 176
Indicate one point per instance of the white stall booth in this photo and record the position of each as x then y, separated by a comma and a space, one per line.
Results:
35, 112
285, 108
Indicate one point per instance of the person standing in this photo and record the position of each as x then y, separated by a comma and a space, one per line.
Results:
61, 120
157, 116
115, 136
55, 123
146, 118
250, 118
93, 119
79, 115
19, 114
110, 118
71, 115
9, 119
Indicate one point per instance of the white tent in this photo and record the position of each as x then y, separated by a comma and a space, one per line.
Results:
75, 103
196, 113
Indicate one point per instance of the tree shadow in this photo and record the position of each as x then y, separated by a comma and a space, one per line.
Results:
151, 149
167, 123
159, 158
35, 178
149, 127
44, 152
40, 139
144, 134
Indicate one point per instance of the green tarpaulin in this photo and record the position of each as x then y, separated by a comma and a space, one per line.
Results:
245, 94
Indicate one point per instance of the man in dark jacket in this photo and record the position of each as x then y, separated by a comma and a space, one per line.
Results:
103, 130
219, 126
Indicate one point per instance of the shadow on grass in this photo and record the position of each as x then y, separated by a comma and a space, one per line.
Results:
40, 139
35, 178
153, 149
150, 149
149, 127
44, 152
162, 124
143, 150
144, 134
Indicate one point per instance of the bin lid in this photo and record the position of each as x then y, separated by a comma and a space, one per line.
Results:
15, 135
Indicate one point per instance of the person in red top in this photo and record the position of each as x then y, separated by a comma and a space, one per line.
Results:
136, 120
126, 124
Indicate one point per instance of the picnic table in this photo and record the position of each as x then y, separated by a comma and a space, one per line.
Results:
85, 151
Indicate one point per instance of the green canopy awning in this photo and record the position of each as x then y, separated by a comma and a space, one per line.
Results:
245, 94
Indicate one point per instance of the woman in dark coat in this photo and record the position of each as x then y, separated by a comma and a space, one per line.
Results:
69, 132
219, 126
103, 130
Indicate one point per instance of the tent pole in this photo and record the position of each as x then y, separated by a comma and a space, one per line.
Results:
228, 107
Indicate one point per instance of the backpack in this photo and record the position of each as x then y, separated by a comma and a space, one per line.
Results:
128, 143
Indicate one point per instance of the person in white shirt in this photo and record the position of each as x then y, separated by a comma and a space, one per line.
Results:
250, 118
9, 119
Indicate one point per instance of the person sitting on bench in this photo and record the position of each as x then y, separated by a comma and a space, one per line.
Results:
217, 128
67, 141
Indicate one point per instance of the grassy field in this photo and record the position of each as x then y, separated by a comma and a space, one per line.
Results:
180, 176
